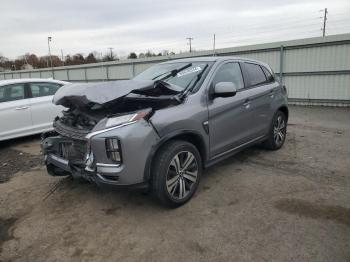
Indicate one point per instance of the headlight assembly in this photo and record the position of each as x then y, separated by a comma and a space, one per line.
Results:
130, 118
118, 121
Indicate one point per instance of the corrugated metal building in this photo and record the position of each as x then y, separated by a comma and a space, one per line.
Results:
315, 70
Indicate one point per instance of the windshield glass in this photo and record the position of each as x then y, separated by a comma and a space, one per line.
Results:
183, 78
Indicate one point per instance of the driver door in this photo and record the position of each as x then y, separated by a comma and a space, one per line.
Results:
229, 123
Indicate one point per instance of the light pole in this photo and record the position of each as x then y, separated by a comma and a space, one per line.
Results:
49, 39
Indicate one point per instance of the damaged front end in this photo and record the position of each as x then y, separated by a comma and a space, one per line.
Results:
88, 140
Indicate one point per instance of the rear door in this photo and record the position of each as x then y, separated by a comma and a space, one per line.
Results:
42, 109
260, 92
15, 117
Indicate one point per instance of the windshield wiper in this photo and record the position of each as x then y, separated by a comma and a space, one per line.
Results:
172, 72
190, 87
154, 78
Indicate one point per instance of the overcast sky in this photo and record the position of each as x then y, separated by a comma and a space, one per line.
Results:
136, 25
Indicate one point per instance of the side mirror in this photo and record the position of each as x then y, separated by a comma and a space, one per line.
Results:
224, 89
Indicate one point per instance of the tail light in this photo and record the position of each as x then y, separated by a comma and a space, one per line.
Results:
113, 150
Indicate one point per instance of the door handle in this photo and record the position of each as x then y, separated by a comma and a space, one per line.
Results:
272, 93
21, 108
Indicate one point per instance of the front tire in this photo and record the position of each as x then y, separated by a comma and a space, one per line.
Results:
278, 131
176, 173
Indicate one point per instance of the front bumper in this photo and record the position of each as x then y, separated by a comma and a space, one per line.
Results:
136, 140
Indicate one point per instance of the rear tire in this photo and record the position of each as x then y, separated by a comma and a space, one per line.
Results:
277, 133
176, 173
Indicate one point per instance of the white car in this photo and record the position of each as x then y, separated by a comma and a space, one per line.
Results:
26, 106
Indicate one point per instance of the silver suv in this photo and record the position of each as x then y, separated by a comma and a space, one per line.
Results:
160, 129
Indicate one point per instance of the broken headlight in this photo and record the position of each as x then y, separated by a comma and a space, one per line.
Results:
124, 119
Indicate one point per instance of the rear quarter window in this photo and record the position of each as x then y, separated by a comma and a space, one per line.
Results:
255, 74
269, 76
44, 89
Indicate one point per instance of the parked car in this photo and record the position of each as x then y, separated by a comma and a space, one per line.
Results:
160, 129
26, 106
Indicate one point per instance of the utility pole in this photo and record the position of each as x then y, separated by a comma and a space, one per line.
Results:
324, 22
49, 39
214, 45
190, 42
111, 51
62, 57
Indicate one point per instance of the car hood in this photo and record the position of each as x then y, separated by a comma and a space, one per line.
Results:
101, 93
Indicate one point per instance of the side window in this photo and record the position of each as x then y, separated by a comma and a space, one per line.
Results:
229, 72
269, 76
11, 92
43, 89
255, 73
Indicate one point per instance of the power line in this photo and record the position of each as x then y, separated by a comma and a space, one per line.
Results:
246, 32
263, 23
252, 33
268, 23
259, 37
273, 28
338, 21
250, 30
281, 27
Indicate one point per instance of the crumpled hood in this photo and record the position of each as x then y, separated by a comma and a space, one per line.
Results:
83, 94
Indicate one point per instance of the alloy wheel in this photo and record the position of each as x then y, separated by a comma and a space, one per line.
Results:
279, 130
182, 175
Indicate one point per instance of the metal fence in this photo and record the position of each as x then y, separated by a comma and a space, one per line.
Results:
315, 70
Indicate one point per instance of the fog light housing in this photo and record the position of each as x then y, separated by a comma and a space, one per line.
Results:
113, 150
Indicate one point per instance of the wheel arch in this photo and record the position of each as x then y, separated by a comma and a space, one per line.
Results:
284, 109
190, 136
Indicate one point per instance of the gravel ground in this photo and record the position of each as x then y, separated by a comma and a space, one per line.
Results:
288, 205
13, 161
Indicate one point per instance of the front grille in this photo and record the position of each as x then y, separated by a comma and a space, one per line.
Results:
74, 151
